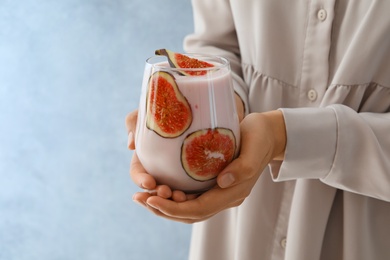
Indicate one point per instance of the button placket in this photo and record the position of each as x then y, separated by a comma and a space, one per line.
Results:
315, 62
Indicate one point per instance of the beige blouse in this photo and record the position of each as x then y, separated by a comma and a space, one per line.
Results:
326, 65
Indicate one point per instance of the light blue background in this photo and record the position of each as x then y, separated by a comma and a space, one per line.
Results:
70, 71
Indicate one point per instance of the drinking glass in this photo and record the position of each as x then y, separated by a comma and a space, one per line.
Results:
188, 128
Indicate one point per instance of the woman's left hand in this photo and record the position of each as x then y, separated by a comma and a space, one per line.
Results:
263, 139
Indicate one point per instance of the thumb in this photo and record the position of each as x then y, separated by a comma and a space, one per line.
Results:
229, 176
247, 166
253, 158
238, 171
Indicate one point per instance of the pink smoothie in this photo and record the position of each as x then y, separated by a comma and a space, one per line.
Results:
212, 103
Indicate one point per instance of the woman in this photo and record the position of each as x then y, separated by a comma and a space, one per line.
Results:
312, 181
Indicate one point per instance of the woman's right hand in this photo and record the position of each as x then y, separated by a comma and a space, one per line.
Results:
139, 175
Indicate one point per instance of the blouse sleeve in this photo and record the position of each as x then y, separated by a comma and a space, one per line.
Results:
215, 34
340, 147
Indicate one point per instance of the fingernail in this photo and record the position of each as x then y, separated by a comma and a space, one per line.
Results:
130, 139
138, 202
226, 180
152, 192
151, 205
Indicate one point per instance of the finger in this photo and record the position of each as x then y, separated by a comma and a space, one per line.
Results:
141, 198
205, 206
131, 122
192, 196
158, 212
180, 196
139, 175
130, 141
238, 171
199, 209
178, 218
171, 218
254, 153
181, 220
164, 191
180, 210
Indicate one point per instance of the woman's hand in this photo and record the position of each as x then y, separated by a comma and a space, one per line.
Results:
263, 139
140, 177
239, 107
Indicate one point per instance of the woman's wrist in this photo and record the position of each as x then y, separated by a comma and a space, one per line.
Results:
275, 119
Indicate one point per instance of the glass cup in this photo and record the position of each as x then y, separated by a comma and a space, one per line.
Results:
188, 128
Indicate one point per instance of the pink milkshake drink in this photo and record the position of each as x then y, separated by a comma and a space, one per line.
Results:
187, 129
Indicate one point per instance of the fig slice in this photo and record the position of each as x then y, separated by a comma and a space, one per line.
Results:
206, 152
168, 112
178, 60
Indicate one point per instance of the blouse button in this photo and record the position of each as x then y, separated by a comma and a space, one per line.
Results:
321, 15
283, 243
312, 95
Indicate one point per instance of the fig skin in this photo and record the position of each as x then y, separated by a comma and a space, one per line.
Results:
181, 61
170, 55
170, 116
210, 156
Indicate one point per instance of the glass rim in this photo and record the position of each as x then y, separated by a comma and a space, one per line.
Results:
218, 61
